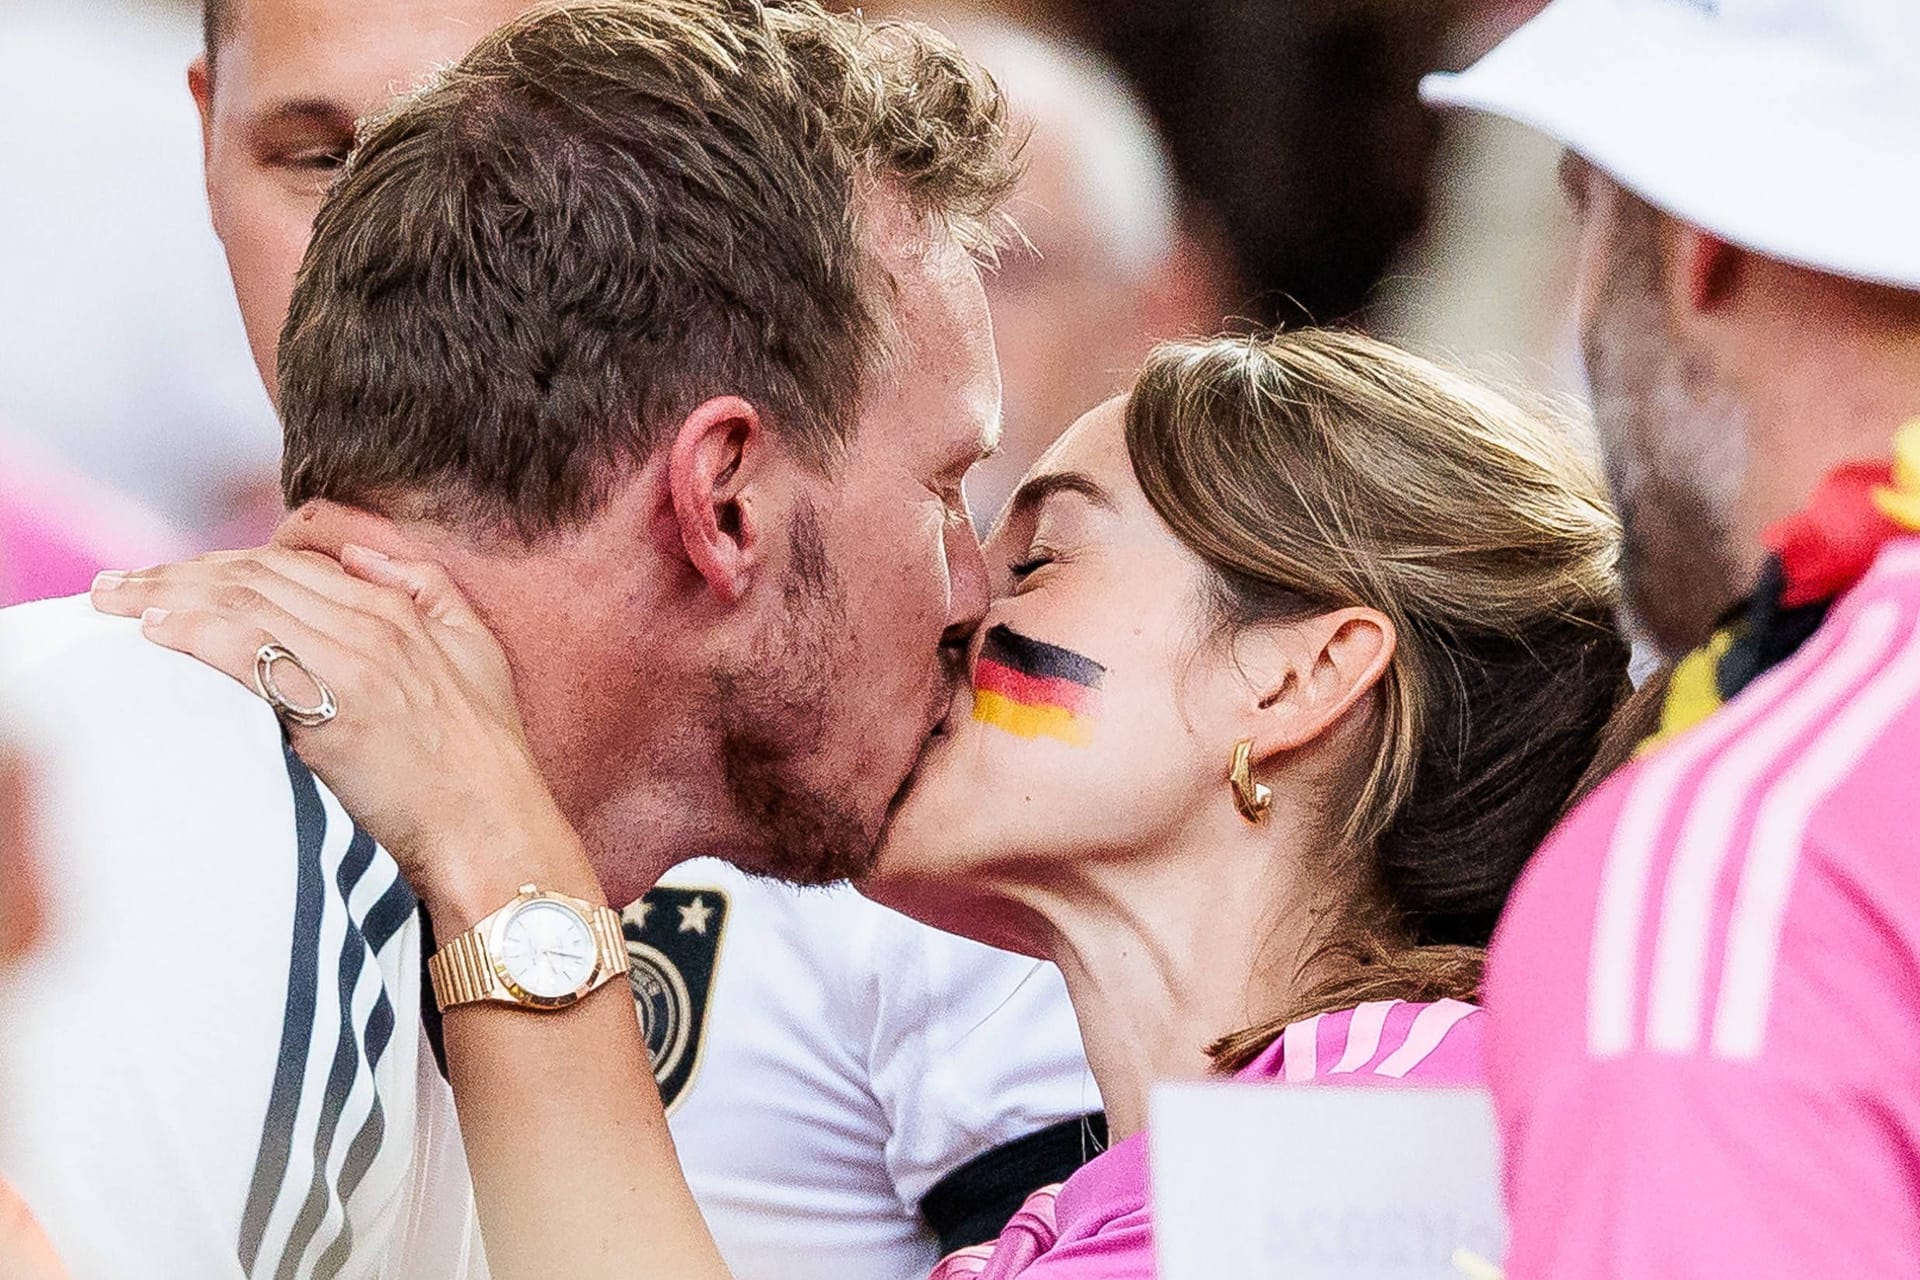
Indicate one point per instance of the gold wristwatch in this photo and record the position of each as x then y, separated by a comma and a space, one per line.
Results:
543, 950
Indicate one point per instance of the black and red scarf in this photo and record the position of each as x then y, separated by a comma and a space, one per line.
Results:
1814, 557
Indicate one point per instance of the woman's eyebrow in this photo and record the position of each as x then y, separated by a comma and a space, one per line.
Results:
1030, 495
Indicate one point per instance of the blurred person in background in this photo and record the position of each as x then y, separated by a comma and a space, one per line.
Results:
1704, 991
124, 389
791, 1031
25, 1251
1256, 737
122, 363
1295, 126
1304, 223
1104, 233
1488, 279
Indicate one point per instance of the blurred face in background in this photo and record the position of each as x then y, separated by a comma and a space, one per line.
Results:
1069, 318
1675, 440
278, 102
1104, 266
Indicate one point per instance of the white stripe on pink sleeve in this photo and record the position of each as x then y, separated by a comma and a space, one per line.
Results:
1760, 907
964, 1264
1613, 963
1300, 1049
1900, 558
1429, 1029
1363, 1035
1725, 796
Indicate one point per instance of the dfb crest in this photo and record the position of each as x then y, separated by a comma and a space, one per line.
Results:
673, 947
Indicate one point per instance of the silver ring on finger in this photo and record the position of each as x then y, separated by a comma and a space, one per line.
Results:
264, 659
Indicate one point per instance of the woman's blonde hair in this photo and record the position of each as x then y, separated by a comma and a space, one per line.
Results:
1316, 470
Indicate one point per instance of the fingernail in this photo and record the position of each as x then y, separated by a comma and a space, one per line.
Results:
153, 617
108, 579
368, 552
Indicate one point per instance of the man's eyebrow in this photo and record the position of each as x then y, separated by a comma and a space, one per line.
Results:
1030, 495
320, 112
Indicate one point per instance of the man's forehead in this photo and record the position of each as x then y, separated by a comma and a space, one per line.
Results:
942, 335
355, 54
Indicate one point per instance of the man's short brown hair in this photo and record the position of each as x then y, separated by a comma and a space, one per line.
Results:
607, 213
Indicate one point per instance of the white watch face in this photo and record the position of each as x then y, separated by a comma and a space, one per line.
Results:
547, 949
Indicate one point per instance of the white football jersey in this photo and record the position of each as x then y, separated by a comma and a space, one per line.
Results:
847, 1059
218, 1068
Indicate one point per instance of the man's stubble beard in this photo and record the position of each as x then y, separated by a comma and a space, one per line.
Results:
773, 711
1676, 452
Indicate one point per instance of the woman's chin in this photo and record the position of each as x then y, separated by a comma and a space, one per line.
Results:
941, 856
904, 850
927, 835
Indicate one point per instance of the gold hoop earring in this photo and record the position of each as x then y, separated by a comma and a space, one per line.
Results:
1254, 800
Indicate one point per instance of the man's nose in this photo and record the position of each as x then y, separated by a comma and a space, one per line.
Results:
970, 591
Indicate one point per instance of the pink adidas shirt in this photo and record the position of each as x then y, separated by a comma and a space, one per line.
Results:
1705, 994
1097, 1226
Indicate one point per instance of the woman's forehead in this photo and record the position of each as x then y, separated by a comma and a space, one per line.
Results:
1096, 444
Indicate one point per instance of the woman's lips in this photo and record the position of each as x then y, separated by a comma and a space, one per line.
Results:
935, 734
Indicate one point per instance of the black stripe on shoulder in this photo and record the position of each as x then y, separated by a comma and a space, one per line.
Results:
974, 1203
383, 922
296, 1026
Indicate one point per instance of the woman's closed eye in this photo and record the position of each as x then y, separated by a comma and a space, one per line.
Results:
1037, 558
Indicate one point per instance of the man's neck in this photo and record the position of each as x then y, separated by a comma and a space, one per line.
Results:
614, 718
1823, 394
592, 681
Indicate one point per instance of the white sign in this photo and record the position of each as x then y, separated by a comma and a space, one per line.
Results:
1324, 1182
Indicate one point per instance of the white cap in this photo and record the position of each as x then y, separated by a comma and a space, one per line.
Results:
1788, 127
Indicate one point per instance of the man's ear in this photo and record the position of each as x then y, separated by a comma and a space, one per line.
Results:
200, 85
1704, 272
708, 517
1309, 673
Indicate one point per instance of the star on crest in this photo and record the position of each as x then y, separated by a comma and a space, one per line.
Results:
693, 916
639, 911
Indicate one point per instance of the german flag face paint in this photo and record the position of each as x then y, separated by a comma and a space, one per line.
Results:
1035, 690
